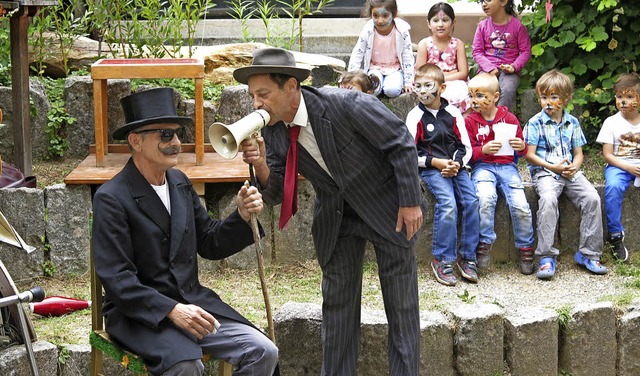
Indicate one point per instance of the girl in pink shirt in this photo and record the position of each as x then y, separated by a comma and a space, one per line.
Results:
384, 49
501, 46
448, 53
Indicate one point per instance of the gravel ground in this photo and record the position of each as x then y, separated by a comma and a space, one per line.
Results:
505, 286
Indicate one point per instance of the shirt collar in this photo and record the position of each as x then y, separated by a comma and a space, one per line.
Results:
546, 119
302, 117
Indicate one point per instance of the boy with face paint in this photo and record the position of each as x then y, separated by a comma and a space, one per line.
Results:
555, 141
443, 151
494, 169
620, 139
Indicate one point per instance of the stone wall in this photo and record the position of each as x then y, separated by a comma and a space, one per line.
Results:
469, 340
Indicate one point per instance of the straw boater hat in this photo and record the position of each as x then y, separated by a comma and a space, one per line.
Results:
271, 60
149, 107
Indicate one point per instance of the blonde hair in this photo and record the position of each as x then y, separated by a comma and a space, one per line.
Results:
485, 80
430, 71
557, 81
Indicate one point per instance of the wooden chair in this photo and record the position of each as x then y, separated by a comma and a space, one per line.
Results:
102, 343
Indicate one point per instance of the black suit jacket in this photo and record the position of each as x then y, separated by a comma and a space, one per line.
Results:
370, 154
147, 262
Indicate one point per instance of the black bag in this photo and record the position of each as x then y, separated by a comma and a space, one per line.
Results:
12, 177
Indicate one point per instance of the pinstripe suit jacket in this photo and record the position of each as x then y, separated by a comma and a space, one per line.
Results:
370, 154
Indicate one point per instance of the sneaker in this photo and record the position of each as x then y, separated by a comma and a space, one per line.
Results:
483, 254
546, 268
620, 252
444, 272
468, 269
594, 266
526, 260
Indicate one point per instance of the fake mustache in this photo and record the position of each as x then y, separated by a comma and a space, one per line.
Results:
171, 150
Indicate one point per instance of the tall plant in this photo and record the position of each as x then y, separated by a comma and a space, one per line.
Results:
592, 41
267, 11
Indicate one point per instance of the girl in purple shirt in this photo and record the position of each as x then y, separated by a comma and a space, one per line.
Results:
501, 46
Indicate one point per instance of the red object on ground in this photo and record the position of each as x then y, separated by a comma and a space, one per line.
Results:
58, 306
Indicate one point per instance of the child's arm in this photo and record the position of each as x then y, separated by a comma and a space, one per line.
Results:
422, 55
524, 47
478, 51
462, 73
408, 63
357, 54
610, 157
535, 160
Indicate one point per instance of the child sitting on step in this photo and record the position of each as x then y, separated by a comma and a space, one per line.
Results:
555, 141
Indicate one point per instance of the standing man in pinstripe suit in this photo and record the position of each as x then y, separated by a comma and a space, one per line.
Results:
362, 163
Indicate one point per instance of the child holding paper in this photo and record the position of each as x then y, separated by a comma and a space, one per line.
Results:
497, 142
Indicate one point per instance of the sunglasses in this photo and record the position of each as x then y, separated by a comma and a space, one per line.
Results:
166, 135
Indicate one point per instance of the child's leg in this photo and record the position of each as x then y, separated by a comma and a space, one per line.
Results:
392, 84
485, 182
617, 181
548, 190
585, 197
510, 185
445, 216
508, 87
470, 222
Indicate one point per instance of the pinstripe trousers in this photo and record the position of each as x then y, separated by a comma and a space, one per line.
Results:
342, 291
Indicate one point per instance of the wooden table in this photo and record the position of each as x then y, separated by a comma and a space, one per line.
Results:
214, 168
105, 69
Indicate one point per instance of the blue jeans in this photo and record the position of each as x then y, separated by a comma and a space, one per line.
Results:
391, 84
617, 181
451, 193
491, 178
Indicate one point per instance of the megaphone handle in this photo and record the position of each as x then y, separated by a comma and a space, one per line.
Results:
252, 175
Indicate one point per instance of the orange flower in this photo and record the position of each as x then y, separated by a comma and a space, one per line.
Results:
206, 358
125, 361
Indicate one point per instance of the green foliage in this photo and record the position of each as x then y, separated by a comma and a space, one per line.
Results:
49, 268
211, 91
59, 118
592, 42
267, 12
466, 297
5, 53
63, 354
564, 318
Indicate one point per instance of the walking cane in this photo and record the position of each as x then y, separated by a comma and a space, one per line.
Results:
258, 246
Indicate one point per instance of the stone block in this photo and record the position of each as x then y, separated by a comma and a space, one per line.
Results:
629, 343
297, 329
235, 103
531, 342
374, 329
401, 105
14, 360
78, 95
68, 232
436, 345
24, 209
188, 107
78, 362
478, 339
588, 345
529, 106
39, 109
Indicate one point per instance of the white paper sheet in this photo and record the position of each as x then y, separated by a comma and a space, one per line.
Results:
503, 132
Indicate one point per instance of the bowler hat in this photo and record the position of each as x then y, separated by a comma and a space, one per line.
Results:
271, 60
149, 107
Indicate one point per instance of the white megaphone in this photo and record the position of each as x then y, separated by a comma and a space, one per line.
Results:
225, 139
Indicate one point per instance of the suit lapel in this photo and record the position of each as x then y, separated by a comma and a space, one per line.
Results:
177, 192
323, 132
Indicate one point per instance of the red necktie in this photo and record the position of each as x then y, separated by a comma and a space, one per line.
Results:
290, 199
